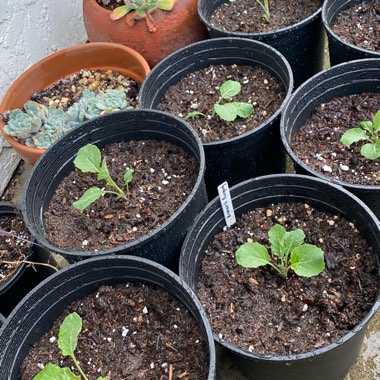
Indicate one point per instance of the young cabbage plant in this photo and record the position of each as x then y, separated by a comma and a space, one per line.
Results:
67, 342
264, 4
288, 252
227, 111
89, 160
368, 131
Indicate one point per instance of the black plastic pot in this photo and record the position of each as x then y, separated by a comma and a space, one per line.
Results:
2, 320
328, 363
163, 244
344, 79
302, 44
37, 312
254, 153
341, 51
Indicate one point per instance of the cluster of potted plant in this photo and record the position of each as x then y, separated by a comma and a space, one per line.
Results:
121, 193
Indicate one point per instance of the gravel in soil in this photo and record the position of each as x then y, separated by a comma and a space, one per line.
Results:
199, 91
261, 312
245, 16
318, 144
359, 25
12, 250
164, 176
130, 331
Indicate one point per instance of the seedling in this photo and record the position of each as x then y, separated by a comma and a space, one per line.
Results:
265, 5
141, 9
67, 342
288, 252
227, 111
89, 160
368, 131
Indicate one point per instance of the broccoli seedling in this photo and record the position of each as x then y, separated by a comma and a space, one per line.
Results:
265, 5
368, 131
89, 160
67, 342
288, 250
227, 111
141, 9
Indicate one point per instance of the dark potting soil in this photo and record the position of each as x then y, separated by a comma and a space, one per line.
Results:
69, 89
164, 177
199, 91
245, 16
110, 4
130, 331
259, 311
12, 250
359, 25
318, 144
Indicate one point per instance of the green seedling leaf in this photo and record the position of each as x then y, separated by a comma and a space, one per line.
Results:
166, 5
101, 378
103, 172
128, 176
229, 89
293, 239
376, 121
371, 151
276, 238
367, 125
68, 334
227, 112
120, 12
89, 196
88, 159
244, 110
353, 135
193, 114
53, 372
307, 260
252, 255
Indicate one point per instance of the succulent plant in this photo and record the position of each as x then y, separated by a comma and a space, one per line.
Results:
39, 126
141, 9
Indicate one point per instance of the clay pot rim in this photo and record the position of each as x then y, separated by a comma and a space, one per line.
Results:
52, 57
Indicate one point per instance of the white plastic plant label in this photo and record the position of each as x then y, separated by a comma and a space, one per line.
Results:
226, 202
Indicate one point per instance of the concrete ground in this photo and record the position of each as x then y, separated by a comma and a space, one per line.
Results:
367, 366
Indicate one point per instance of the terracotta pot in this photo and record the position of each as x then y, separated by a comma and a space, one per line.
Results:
102, 56
176, 28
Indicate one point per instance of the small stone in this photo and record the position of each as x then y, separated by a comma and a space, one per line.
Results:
305, 307
327, 168
145, 310
85, 242
345, 168
52, 339
269, 213
164, 182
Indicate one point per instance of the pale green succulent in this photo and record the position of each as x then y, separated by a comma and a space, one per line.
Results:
39, 126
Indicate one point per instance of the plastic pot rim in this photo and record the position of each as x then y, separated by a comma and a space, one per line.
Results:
294, 157
89, 254
61, 273
193, 46
271, 34
7, 285
309, 354
327, 26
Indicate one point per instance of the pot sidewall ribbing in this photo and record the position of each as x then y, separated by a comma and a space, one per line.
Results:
254, 153
331, 362
341, 80
302, 44
341, 51
164, 243
38, 311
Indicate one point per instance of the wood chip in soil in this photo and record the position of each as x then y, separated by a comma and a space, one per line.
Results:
199, 91
130, 331
245, 16
164, 176
260, 312
359, 25
12, 249
318, 144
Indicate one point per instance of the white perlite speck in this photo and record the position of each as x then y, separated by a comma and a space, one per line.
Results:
327, 168
345, 168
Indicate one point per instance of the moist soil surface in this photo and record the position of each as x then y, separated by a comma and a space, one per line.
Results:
199, 91
12, 250
164, 176
245, 16
359, 25
110, 4
318, 144
261, 312
130, 331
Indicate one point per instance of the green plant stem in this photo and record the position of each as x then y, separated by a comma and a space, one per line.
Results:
115, 193
282, 273
119, 192
78, 367
213, 111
